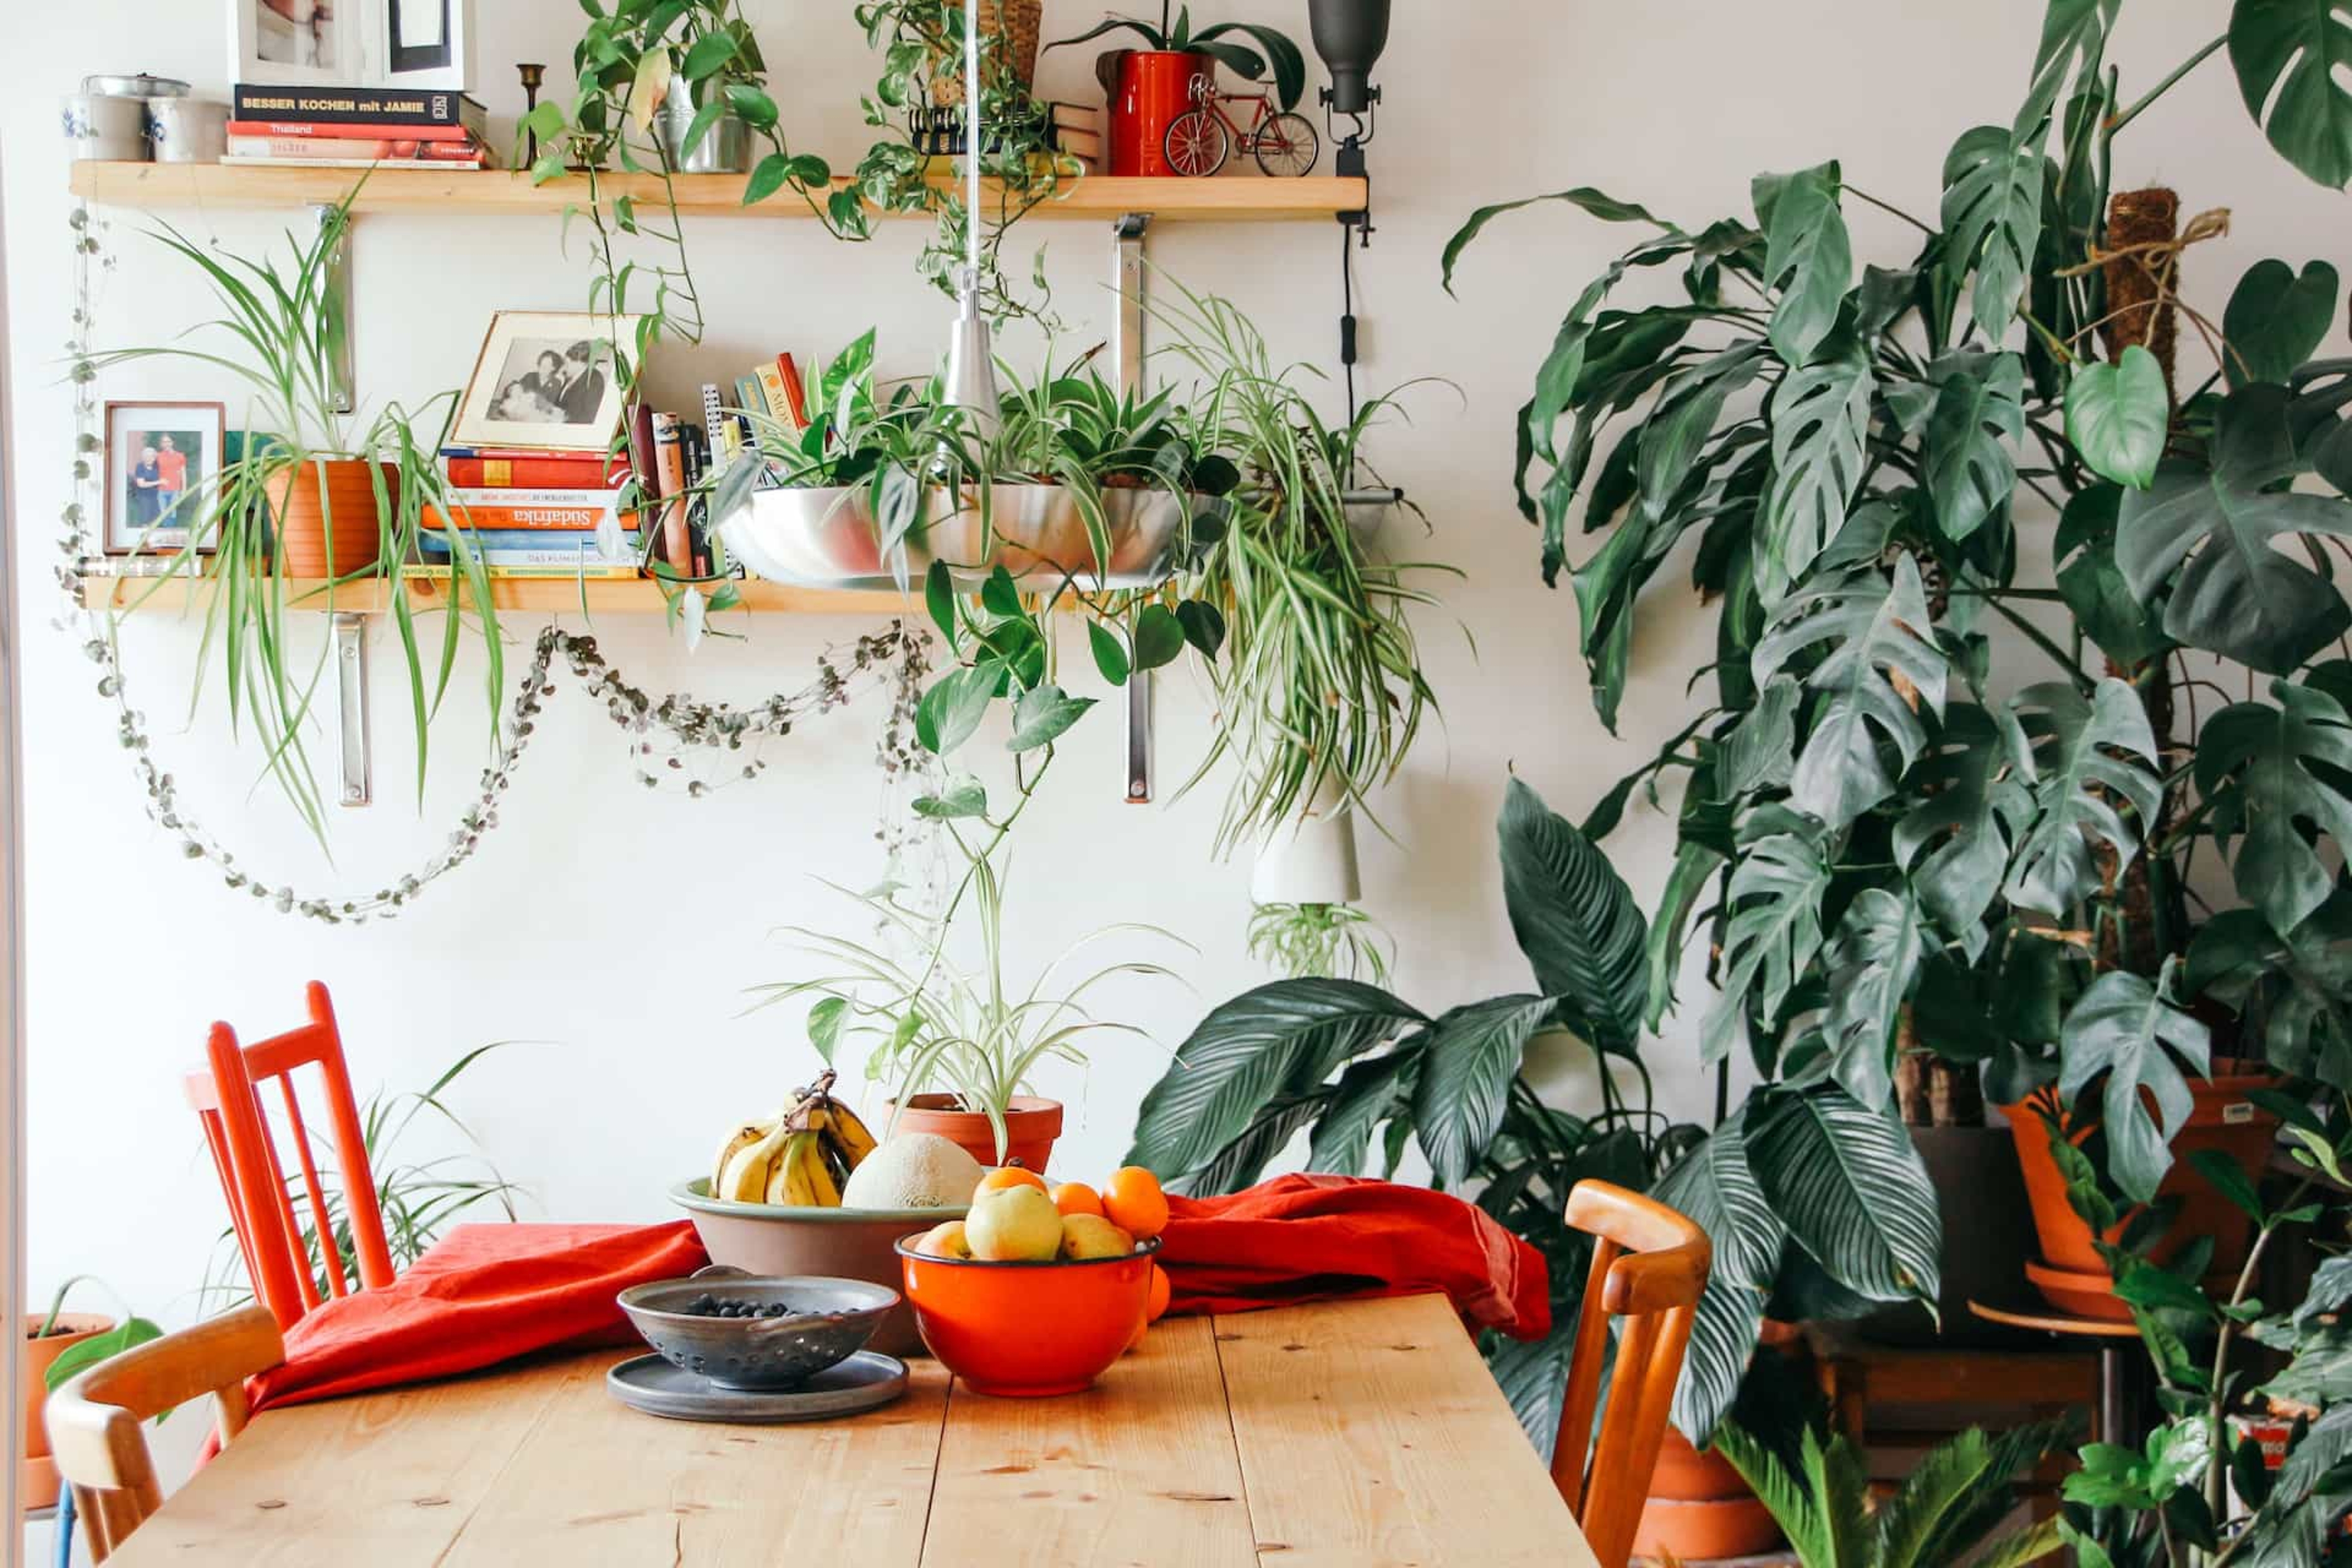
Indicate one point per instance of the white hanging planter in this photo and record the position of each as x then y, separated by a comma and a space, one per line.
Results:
1311, 860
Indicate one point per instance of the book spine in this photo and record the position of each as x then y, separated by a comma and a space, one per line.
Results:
772, 395
795, 393
314, 130
669, 464
358, 106
527, 473
701, 446
522, 538
249, 160
582, 555
561, 572
578, 518
599, 499
310, 149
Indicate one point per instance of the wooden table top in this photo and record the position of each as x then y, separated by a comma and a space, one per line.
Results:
1349, 1434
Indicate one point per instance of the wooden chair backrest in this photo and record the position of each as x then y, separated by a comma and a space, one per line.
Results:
226, 1094
1649, 1266
94, 1417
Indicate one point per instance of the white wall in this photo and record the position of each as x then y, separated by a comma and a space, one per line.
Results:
618, 929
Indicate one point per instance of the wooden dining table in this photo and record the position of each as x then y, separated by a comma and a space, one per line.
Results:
1355, 1434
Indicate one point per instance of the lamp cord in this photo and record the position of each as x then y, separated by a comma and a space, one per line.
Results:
1348, 320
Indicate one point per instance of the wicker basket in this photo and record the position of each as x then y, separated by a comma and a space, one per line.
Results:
1015, 24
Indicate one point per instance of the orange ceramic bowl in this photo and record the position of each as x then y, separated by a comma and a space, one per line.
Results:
1026, 1329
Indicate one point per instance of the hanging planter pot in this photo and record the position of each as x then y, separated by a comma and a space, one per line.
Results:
1312, 860
829, 536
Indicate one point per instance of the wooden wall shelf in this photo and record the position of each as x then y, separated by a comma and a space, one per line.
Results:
1095, 197
550, 596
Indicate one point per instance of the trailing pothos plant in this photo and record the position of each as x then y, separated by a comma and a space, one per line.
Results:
1973, 549
1832, 1205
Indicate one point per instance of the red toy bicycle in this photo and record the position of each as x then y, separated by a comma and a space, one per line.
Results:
1201, 138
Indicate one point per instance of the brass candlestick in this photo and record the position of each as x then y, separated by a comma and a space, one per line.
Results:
532, 74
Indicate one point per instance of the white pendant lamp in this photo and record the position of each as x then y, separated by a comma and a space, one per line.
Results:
971, 381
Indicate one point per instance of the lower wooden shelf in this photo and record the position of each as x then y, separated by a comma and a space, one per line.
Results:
553, 595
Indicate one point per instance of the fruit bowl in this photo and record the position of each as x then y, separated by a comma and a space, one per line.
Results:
1028, 1330
821, 1321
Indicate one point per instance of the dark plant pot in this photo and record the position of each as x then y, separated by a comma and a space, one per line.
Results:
1986, 1220
1155, 86
1031, 1125
2222, 1120
349, 508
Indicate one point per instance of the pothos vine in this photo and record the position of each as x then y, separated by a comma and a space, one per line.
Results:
666, 731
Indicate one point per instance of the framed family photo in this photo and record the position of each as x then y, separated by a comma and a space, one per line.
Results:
545, 382
158, 455
422, 44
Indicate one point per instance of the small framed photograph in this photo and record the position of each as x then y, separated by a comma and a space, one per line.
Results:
162, 460
295, 43
423, 42
545, 382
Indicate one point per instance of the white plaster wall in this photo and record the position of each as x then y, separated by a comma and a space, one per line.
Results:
616, 929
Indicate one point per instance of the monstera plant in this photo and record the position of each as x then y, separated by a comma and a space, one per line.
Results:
2020, 618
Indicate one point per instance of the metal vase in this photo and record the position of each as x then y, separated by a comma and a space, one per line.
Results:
725, 148
830, 537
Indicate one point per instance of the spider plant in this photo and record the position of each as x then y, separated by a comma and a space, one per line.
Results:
935, 1025
418, 1197
1321, 941
279, 332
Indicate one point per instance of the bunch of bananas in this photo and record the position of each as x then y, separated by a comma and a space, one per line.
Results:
800, 1158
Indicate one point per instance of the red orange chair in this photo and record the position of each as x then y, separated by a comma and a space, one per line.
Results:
227, 1097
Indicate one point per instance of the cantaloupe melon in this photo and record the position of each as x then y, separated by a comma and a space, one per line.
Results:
912, 1171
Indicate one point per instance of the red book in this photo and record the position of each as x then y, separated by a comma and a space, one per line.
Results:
347, 133
793, 391
573, 518
537, 472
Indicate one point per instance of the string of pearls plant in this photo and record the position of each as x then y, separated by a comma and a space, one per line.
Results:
670, 732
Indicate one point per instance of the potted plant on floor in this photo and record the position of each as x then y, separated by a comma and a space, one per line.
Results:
1147, 87
53, 1346
1898, 483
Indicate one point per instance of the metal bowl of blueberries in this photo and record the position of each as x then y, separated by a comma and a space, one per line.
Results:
759, 1332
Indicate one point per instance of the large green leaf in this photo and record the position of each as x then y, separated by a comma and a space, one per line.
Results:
1760, 752
2128, 628
1695, 863
2299, 986
1471, 1055
1820, 421
2074, 40
1599, 204
2075, 754
1372, 1090
2275, 319
1970, 808
2237, 593
1852, 1192
1715, 1189
1873, 965
2292, 58
2124, 1026
1533, 1376
1291, 1035
1979, 414
1795, 1506
2117, 415
1772, 936
1880, 631
1992, 219
1575, 920
1724, 1332
1808, 257
2269, 773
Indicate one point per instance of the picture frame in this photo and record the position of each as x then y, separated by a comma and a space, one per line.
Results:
545, 382
161, 457
425, 44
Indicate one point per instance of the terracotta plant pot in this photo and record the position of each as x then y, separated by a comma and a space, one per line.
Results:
2222, 1120
1988, 1230
302, 523
1031, 1125
1154, 86
1699, 1508
37, 1473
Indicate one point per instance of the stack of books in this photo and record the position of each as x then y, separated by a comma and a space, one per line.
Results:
537, 514
358, 128
1078, 132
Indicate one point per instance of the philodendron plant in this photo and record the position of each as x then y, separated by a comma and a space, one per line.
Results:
1976, 548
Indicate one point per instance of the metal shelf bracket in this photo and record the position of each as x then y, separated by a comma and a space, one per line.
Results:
350, 702
342, 386
1127, 362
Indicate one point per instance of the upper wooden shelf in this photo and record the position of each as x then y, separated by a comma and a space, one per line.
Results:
1243, 198
550, 595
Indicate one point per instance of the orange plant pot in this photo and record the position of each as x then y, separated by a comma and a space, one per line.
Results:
303, 520
1704, 1528
1031, 1125
2222, 1120
1027, 1330
37, 1473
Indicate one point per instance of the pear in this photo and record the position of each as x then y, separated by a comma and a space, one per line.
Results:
1016, 1225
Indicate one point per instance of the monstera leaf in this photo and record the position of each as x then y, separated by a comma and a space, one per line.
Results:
2062, 746
1715, 1187
1807, 256
1285, 1037
1872, 965
2124, 1026
1852, 1191
2292, 56
2276, 318
1971, 808
1772, 936
2074, 40
2299, 986
1881, 632
1992, 220
2220, 527
1820, 422
2117, 415
2268, 772
1575, 920
1979, 414
2127, 628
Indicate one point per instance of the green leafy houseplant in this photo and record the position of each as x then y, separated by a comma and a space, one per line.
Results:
1881, 853
132, 1330
279, 332
1321, 941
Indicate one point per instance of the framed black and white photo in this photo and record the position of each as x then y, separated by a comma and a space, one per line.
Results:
163, 465
422, 44
545, 380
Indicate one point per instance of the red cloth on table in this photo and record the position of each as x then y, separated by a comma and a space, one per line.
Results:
1319, 1238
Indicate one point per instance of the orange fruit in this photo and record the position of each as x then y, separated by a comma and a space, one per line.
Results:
1004, 1176
1133, 1201
1076, 1197
1159, 1306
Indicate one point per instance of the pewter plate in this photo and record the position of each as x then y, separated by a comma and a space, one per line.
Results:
865, 1382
